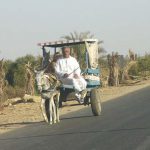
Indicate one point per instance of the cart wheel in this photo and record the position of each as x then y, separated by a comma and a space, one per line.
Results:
95, 102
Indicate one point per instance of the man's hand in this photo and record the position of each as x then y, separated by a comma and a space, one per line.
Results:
76, 76
65, 75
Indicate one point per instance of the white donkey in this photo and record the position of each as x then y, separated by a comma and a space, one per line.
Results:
48, 92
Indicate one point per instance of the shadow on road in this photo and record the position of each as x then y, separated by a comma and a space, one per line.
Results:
28, 123
77, 117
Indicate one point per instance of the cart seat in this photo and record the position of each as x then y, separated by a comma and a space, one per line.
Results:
65, 86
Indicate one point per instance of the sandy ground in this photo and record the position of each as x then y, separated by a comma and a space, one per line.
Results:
16, 116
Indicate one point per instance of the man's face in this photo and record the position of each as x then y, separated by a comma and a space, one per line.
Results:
66, 52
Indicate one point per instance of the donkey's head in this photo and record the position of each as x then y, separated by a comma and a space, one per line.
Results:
39, 79
42, 80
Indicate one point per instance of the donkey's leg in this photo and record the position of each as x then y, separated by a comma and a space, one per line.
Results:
57, 106
54, 109
116, 80
44, 110
50, 109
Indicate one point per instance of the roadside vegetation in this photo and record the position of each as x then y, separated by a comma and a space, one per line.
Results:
15, 75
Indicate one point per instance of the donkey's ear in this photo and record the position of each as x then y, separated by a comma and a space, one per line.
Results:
43, 71
35, 71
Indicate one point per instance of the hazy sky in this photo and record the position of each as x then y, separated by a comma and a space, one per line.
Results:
121, 24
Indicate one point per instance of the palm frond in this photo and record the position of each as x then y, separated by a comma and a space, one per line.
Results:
66, 37
76, 35
100, 42
72, 36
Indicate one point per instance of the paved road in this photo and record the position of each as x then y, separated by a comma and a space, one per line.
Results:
123, 125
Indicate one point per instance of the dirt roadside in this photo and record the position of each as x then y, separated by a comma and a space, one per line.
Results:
17, 116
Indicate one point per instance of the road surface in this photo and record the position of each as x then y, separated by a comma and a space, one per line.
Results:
123, 125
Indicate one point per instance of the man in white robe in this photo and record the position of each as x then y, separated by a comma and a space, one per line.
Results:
68, 71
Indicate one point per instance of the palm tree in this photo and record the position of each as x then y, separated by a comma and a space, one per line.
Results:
83, 35
79, 50
78, 36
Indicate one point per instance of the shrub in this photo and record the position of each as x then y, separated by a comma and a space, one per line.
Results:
20, 92
13, 92
10, 92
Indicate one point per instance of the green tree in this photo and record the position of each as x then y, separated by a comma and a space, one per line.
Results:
144, 65
15, 71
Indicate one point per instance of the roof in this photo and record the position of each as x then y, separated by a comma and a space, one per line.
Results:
66, 43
